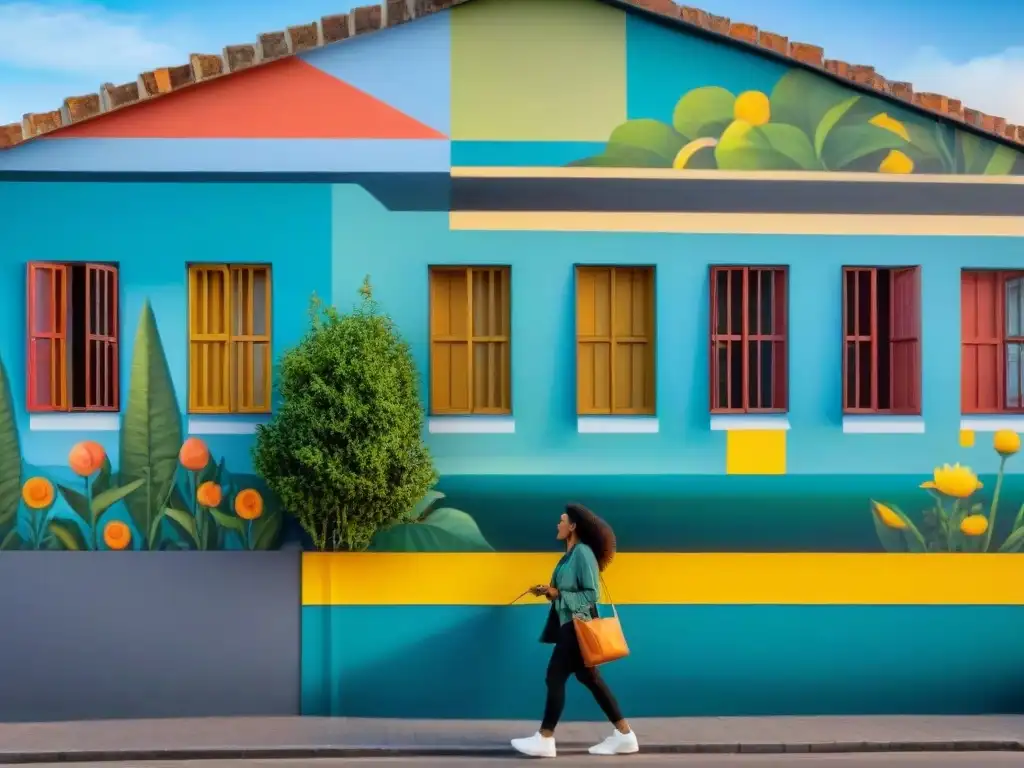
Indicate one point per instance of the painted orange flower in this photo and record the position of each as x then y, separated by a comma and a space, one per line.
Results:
86, 458
209, 494
38, 493
194, 455
117, 535
249, 504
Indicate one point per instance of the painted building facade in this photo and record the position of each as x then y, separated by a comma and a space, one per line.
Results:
728, 298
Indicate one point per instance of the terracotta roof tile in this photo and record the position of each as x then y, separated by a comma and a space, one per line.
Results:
369, 18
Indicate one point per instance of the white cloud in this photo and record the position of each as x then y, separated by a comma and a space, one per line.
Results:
83, 39
993, 84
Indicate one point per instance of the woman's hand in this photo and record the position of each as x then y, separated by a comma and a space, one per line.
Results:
543, 590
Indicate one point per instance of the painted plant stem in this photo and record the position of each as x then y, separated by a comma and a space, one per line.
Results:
995, 504
92, 516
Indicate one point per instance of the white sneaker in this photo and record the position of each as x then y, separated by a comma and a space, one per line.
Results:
537, 746
617, 744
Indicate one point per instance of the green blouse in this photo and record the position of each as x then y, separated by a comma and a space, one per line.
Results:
576, 579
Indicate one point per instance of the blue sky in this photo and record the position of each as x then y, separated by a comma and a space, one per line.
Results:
49, 50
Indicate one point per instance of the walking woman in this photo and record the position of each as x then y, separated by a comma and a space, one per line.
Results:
573, 592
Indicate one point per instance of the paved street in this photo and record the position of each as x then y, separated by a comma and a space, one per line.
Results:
924, 760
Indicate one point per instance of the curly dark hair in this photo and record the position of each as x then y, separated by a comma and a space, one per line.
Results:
594, 532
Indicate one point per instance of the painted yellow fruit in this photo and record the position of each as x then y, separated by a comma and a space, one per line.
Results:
896, 162
882, 120
1006, 442
752, 107
974, 525
686, 153
889, 518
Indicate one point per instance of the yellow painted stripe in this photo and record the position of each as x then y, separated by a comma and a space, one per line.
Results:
703, 578
738, 223
556, 172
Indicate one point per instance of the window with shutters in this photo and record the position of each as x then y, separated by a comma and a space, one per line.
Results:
748, 353
470, 334
882, 340
229, 362
615, 340
73, 361
992, 341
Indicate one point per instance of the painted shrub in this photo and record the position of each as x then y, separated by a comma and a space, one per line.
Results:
806, 123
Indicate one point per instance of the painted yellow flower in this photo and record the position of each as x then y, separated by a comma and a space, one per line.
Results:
882, 120
955, 481
752, 107
974, 525
889, 518
896, 162
1006, 442
38, 493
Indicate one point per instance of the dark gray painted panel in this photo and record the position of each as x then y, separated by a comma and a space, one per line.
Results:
737, 196
89, 635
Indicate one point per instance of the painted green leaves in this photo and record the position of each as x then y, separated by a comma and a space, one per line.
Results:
439, 530
10, 467
150, 429
806, 123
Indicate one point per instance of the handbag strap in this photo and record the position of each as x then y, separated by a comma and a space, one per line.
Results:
611, 602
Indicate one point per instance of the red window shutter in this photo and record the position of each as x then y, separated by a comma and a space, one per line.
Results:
101, 339
905, 337
47, 337
981, 333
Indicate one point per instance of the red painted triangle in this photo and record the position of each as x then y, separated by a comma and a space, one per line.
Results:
287, 99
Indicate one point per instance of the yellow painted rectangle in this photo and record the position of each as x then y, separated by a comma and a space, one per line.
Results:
526, 70
966, 438
755, 452
683, 578
739, 223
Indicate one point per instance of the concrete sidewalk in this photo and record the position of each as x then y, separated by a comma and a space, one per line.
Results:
309, 737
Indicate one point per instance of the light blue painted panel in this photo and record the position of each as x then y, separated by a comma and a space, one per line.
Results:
694, 660
663, 64
546, 441
153, 231
228, 156
406, 66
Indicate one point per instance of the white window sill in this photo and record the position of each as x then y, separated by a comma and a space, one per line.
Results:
749, 422
471, 425
617, 425
226, 424
992, 422
74, 422
883, 425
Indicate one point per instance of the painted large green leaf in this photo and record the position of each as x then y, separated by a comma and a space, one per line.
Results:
850, 143
68, 535
444, 530
266, 530
10, 457
620, 156
746, 148
1001, 162
704, 112
649, 135
151, 427
802, 99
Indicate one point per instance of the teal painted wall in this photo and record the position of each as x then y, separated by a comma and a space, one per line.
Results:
546, 441
684, 661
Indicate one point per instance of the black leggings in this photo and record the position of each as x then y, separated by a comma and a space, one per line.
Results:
566, 660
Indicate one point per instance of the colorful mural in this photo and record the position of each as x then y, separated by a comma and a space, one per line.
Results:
806, 123
168, 493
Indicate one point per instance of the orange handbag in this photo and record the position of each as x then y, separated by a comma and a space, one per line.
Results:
601, 640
